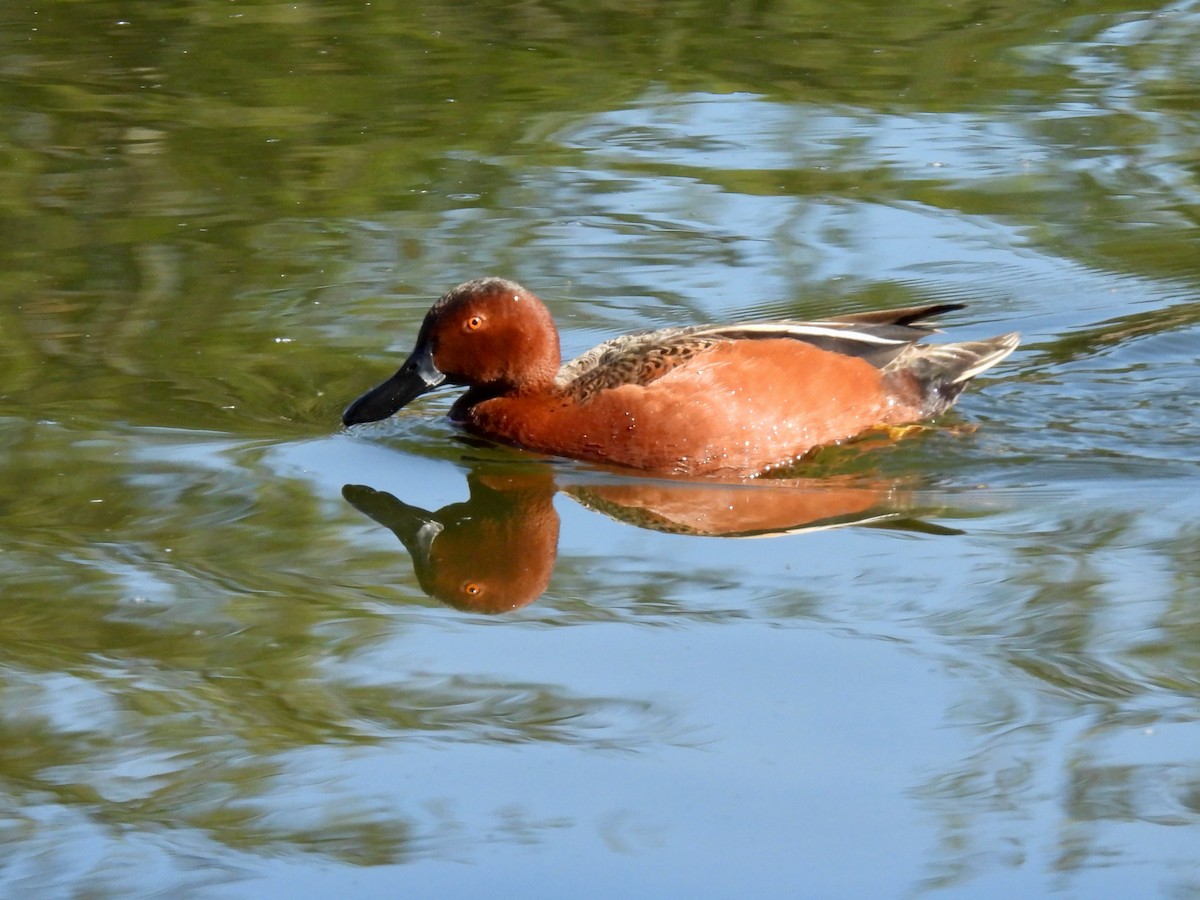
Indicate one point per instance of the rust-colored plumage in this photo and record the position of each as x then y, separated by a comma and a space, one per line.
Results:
702, 400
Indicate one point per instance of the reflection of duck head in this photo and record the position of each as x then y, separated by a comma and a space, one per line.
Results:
495, 552
490, 554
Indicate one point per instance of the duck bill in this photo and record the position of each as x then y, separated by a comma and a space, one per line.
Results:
414, 378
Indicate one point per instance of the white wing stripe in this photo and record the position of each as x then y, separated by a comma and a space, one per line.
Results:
799, 329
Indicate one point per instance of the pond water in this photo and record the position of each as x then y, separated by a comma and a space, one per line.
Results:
233, 660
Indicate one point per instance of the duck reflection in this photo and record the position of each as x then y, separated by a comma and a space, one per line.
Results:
491, 553
495, 552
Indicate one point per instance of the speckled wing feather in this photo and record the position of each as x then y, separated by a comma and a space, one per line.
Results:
877, 337
631, 359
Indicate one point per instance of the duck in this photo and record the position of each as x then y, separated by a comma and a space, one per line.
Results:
738, 399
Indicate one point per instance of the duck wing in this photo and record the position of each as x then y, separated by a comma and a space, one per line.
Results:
640, 358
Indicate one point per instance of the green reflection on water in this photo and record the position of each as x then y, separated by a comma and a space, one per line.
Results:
210, 209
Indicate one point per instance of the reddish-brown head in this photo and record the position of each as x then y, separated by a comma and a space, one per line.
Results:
492, 332
489, 334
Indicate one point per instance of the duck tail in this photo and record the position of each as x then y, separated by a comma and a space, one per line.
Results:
933, 375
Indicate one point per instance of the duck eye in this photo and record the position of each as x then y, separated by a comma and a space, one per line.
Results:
473, 324
471, 588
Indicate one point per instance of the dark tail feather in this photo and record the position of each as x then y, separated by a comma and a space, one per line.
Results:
907, 315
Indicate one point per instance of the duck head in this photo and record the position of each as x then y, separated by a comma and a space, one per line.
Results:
490, 335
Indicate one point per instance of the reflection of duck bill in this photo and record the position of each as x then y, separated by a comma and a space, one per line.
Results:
415, 527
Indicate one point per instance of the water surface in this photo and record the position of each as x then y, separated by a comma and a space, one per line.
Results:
965, 663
